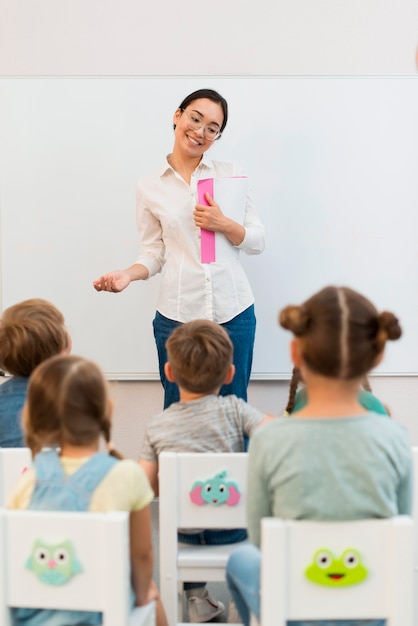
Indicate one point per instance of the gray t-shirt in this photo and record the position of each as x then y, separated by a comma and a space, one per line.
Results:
329, 469
209, 424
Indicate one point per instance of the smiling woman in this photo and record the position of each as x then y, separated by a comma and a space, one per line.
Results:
170, 220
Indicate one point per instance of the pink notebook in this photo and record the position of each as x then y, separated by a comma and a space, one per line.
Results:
207, 237
230, 193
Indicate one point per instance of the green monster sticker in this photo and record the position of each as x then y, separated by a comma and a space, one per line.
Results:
327, 570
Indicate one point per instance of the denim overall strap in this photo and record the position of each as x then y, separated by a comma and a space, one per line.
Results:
86, 480
55, 491
47, 465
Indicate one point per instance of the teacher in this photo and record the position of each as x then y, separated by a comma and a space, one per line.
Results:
169, 221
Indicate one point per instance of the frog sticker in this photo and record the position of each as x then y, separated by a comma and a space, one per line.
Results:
330, 571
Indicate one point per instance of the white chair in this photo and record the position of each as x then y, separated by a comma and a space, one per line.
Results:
382, 549
93, 549
13, 461
178, 478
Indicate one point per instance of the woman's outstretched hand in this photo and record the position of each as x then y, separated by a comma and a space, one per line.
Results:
113, 281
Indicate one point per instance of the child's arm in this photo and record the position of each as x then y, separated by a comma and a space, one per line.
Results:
267, 418
151, 470
258, 496
142, 561
142, 555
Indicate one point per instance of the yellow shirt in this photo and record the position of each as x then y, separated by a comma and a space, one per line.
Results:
124, 488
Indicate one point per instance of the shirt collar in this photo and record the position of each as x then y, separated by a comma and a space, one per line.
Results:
206, 162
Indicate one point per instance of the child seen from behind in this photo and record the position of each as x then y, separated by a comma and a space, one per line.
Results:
68, 408
333, 459
200, 362
30, 332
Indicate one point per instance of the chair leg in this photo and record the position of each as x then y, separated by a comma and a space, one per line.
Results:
180, 600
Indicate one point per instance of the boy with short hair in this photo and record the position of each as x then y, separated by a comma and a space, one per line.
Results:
200, 362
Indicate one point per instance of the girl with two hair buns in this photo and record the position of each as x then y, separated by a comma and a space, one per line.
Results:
332, 460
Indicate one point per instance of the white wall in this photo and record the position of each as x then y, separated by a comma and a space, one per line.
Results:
230, 37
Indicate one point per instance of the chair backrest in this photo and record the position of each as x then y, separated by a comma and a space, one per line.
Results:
337, 570
197, 491
13, 461
95, 570
202, 490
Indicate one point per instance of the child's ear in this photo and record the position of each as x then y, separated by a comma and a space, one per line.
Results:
25, 417
379, 358
296, 352
69, 343
230, 374
169, 372
68, 347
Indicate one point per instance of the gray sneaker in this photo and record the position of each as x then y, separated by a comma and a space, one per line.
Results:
203, 608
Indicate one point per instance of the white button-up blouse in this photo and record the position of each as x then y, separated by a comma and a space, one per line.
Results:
170, 243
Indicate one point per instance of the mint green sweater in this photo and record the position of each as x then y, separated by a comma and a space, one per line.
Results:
328, 469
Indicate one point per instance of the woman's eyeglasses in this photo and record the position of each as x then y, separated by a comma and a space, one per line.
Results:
195, 123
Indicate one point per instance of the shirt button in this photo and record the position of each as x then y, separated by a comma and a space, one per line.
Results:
208, 280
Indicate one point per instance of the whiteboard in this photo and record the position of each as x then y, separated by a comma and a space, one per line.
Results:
333, 163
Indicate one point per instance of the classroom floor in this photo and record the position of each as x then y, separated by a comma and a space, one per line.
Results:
217, 590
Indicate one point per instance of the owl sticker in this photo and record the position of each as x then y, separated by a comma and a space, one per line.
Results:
53, 564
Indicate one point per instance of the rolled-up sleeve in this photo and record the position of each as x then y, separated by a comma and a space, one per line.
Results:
152, 254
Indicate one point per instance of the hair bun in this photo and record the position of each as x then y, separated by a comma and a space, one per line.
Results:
388, 329
296, 319
389, 323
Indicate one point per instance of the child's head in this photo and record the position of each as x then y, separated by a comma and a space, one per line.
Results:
340, 333
200, 356
31, 332
67, 403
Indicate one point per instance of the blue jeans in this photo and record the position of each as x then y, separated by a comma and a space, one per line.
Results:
243, 579
211, 538
241, 330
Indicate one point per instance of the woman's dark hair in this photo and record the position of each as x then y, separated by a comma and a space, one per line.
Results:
340, 331
209, 94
